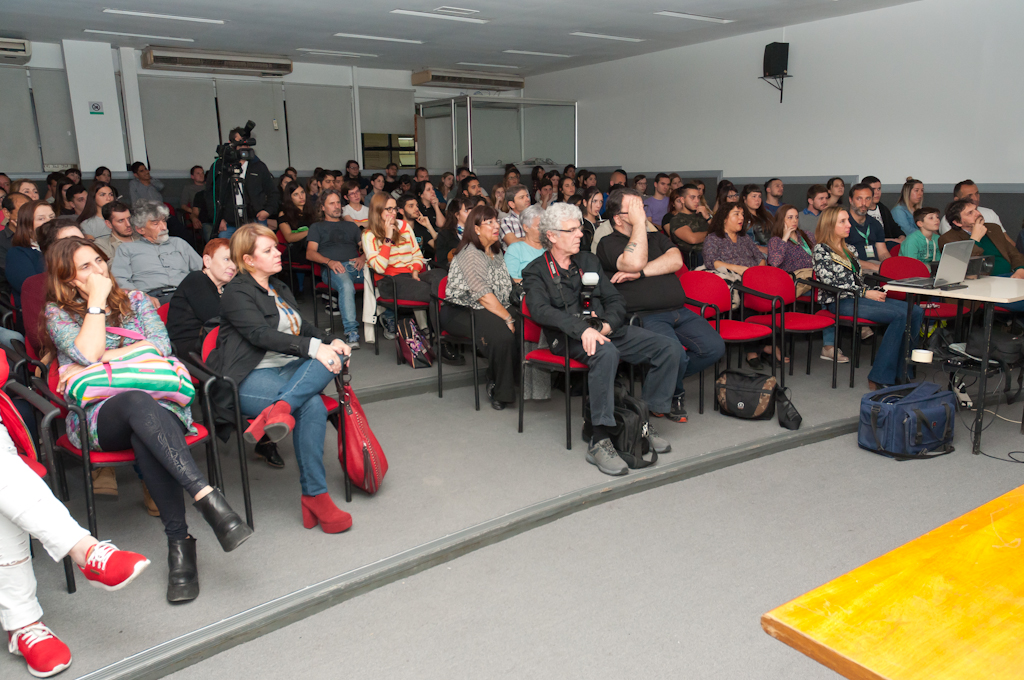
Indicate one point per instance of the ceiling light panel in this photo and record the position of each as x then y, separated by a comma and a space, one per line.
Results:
473, 63
461, 11
151, 15
138, 35
538, 54
332, 53
602, 36
356, 36
695, 17
432, 15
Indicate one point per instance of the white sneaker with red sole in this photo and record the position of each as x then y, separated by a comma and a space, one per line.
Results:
108, 568
45, 654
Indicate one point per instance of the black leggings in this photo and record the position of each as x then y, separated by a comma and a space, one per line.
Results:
134, 420
496, 342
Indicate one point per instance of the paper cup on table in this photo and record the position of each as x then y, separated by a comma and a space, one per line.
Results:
921, 356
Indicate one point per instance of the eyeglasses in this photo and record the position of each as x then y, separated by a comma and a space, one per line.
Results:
568, 231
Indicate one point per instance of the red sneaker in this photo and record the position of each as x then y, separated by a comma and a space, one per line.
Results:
108, 568
45, 654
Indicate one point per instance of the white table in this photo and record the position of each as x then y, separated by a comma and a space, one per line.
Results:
989, 291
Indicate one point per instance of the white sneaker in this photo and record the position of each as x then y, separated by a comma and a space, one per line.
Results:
827, 351
866, 332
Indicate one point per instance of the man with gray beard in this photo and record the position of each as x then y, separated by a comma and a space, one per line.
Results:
157, 262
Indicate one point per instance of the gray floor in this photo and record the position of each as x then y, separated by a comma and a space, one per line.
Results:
666, 584
479, 469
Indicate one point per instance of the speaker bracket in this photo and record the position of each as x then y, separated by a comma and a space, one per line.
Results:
778, 82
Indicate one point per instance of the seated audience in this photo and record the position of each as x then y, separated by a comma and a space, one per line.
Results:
293, 220
619, 178
377, 186
312, 190
91, 218
393, 255
569, 171
76, 196
881, 213
911, 198
117, 217
688, 228
5, 182
429, 204
421, 175
545, 194
989, 240
835, 266
478, 280
591, 206
102, 174
24, 259
704, 209
12, 205
817, 200
51, 185
422, 228
74, 174
867, 237
675, 204
449, 236
28, 509
352, 174
334, 243
511, 178
390, 177
25, 186
446, 187
354, 210
497, 201
923, 244
144, 185
836, 188
60, 197
470, 186
968, 191
553, 285
642, 265
197, 300
773, 190
640, 184
404, 187
759, 220
82, 301
726, 194
657, 205
517, 198
281, 364
156, 263
189, 206
522, 253
674, 181
566, 189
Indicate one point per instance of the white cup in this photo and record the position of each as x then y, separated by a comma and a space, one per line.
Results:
921, 356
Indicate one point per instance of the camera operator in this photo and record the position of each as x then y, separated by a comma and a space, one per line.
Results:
259, 197
567, 291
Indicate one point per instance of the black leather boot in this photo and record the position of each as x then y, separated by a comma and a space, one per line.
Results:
231, 531
183, 574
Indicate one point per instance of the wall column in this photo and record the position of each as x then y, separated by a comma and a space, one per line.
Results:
90, 72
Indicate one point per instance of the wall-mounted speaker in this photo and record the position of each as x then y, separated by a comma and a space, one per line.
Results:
776, 59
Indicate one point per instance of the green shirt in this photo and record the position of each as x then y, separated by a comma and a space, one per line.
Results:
921, 248
1001, 266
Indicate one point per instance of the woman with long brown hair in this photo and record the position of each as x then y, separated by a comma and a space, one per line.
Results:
835, 265
84, 308
759, 220
911, 199
24, 259
91, 220
836, 188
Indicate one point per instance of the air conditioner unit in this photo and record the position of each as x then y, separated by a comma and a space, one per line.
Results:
468, 79
171, 59
14, 51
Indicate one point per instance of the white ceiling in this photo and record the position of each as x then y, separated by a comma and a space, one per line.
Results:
276, 27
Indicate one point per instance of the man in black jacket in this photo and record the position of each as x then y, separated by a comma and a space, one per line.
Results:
261, 194
877, 209
597, 335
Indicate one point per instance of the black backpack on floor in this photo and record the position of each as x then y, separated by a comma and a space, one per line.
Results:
629, 437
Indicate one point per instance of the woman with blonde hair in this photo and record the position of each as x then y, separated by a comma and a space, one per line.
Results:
911, 199
835, 265
281, 364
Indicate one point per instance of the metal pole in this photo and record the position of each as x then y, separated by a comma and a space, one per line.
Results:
455, 140
469, 132
576, 133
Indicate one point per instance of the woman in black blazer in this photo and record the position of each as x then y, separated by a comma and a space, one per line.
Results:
281, 364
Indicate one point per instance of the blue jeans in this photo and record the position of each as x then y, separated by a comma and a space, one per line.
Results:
702, 345
889, 358
344, 284
299, 383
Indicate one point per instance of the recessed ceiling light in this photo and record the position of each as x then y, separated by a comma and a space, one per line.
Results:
151, 15
695, 17
462, 11
605, 37
377, 37
138, 35
432, 15
538, 54
333, 53
473, 63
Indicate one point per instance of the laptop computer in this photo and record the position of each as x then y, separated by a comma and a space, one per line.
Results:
952, 268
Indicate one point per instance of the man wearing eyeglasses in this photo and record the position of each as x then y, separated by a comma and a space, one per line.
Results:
569, 295
643, 267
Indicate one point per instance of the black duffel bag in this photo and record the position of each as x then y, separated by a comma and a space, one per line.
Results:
745, 394
1006, 348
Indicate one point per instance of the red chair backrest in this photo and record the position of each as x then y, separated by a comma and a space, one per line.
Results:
902, 268
771, 281
531, 331
682, 270
708, 288
162, 310
895, 250
210, 342
442, 288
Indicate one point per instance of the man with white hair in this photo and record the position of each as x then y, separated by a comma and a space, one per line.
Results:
569, 295
157, 262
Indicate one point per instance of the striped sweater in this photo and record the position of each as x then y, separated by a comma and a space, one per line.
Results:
396, 258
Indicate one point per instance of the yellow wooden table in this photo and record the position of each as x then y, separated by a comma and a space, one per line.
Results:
949, 604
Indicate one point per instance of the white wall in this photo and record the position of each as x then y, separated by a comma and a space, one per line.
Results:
90, 72
927, 89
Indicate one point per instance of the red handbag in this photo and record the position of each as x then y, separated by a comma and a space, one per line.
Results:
360, 453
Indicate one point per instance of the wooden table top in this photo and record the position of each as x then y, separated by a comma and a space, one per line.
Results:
949, 604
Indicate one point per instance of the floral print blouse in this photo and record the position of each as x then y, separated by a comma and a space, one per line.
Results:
64, 326
839, 271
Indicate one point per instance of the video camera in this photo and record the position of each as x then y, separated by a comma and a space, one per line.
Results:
230, 153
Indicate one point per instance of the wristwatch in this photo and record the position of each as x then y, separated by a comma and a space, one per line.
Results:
95, 310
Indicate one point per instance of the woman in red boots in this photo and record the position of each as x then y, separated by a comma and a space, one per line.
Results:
281, 364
